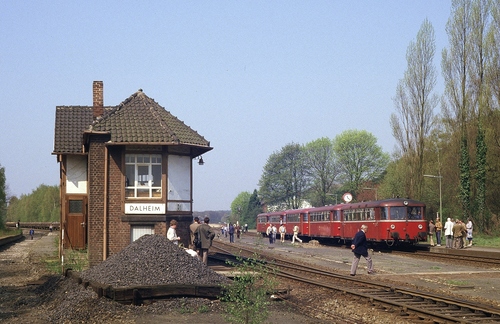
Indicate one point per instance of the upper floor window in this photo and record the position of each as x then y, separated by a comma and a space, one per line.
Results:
143, 175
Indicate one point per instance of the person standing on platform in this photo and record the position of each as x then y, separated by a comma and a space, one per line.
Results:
448, 232
206, 235
469, 228
464, 235
432, 230
457, 235
439, 228
359, 247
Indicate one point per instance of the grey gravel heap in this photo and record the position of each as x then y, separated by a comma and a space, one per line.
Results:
152, 260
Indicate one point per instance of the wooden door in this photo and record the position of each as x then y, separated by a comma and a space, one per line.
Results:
76, 225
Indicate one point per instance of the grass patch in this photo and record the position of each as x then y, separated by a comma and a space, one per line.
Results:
457, 282
486, 240
76, 260
53, 265
9, 232
435, 268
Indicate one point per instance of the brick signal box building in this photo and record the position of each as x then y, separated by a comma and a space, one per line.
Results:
125, 171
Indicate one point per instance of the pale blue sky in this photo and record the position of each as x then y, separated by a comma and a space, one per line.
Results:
249, 76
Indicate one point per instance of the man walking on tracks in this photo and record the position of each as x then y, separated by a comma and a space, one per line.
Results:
359, 248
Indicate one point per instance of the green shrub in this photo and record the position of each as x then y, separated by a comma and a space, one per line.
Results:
246, 299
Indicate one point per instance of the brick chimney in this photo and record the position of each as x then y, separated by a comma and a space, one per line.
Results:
98, 99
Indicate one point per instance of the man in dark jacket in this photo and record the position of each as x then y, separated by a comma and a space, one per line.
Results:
231, 233
206, 235
359, 248
192, 230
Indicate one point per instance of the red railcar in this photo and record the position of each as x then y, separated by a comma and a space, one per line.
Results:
391, 221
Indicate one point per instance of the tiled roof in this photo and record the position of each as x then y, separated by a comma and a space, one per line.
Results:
71, 122
137, 120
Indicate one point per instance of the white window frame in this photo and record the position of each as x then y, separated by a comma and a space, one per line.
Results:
136, 231
144, 167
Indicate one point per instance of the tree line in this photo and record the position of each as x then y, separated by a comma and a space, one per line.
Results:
460, 146
42, 205
447, 159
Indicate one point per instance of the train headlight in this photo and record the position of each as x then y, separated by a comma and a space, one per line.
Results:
420, 226
393, 226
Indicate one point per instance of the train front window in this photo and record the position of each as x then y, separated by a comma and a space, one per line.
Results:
398, 213
383, 213
402, 213
415, 213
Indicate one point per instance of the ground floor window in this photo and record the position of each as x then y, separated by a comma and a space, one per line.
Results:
139, 230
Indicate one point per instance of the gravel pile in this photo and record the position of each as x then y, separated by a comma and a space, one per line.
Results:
152, 260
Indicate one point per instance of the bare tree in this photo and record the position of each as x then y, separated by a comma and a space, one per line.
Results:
415, 103
468, 95
456, 105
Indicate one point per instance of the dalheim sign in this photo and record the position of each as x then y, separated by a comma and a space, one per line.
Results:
145, 208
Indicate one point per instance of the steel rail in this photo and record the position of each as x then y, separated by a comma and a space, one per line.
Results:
483, 260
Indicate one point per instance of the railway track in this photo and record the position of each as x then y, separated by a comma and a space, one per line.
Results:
479, 260
34, 225
414, 305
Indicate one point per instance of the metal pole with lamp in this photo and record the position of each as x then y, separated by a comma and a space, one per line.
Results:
440, 196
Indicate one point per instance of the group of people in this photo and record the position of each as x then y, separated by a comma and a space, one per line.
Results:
272, 233
231, 229
203, 233
458, 234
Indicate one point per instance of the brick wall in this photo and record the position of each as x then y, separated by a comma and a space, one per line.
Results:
98, 98
96, 199
118, 231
